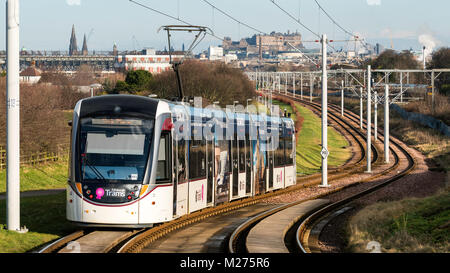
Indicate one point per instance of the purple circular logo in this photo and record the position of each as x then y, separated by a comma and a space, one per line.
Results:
100, 192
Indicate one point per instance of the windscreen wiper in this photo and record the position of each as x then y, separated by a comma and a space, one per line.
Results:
94, 169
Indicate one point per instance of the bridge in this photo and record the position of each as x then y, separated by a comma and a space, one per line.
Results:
64, 62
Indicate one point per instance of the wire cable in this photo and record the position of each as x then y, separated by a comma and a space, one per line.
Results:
172, 17
296, 20
339, 26
232, 18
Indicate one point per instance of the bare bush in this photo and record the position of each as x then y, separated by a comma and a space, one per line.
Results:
42, 122
212, 81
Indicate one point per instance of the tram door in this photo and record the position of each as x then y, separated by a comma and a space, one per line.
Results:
174, 174
248, 166
234, 152
210, 170
270, 156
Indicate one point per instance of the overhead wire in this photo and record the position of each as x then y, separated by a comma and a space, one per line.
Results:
296, 20
341, 27
172, 17
232, 18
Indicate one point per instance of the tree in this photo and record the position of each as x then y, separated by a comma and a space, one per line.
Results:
213, 81
391, 59
441, 59
138, 80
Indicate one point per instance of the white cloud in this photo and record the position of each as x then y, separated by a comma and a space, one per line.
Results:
373, 2
73, 2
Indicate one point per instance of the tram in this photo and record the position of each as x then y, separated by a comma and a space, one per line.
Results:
137, 161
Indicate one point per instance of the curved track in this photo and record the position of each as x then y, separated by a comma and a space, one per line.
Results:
137, 241
308, 230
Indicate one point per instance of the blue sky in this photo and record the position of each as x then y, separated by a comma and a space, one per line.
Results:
46, 24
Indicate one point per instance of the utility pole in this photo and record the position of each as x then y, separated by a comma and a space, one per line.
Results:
279, 83
324, 151
342, 99
386, 124
293, 84
369, 125
12, 117
401, 87
361, 107
301, 86
311, 82
286, 86
375, 118
432, 91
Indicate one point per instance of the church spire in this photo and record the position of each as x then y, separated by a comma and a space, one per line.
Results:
73, 48
84, 51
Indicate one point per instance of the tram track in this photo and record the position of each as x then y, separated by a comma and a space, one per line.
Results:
307, 231
139, 240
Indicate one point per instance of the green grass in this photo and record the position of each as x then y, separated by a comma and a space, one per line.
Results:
44, 216
286, 106
39, 177
408, 225
309, 146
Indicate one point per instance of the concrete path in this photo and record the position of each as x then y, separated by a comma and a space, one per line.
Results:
268, 235
35, 193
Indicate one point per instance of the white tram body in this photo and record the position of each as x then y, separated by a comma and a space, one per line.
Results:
137, 161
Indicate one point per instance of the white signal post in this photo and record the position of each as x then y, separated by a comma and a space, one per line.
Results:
12, 117
324, 152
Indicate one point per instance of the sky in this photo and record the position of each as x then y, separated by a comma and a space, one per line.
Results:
47, 24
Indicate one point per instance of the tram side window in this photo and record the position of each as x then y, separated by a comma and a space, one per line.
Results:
279, 153
163, 165
197, 159
289, 151
241, 155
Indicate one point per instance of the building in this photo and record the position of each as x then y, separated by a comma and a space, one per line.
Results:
73, 48
31, 75
215, 53
84, 51
258, 44
150, 61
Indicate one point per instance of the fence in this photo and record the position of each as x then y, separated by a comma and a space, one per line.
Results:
423, 119
61, 153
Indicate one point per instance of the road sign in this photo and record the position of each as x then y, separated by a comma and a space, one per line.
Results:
324, 153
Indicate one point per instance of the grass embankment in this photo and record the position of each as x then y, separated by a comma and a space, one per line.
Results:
409, 225
432, 144
44, 216
39, 177
309, 141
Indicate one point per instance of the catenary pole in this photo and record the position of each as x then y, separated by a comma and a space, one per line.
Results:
369, 125
361, 107
386, 124
12, 117
375, 118
324, 151
293, 84
342, 99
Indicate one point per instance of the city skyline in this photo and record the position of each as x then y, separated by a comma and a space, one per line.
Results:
133, 27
